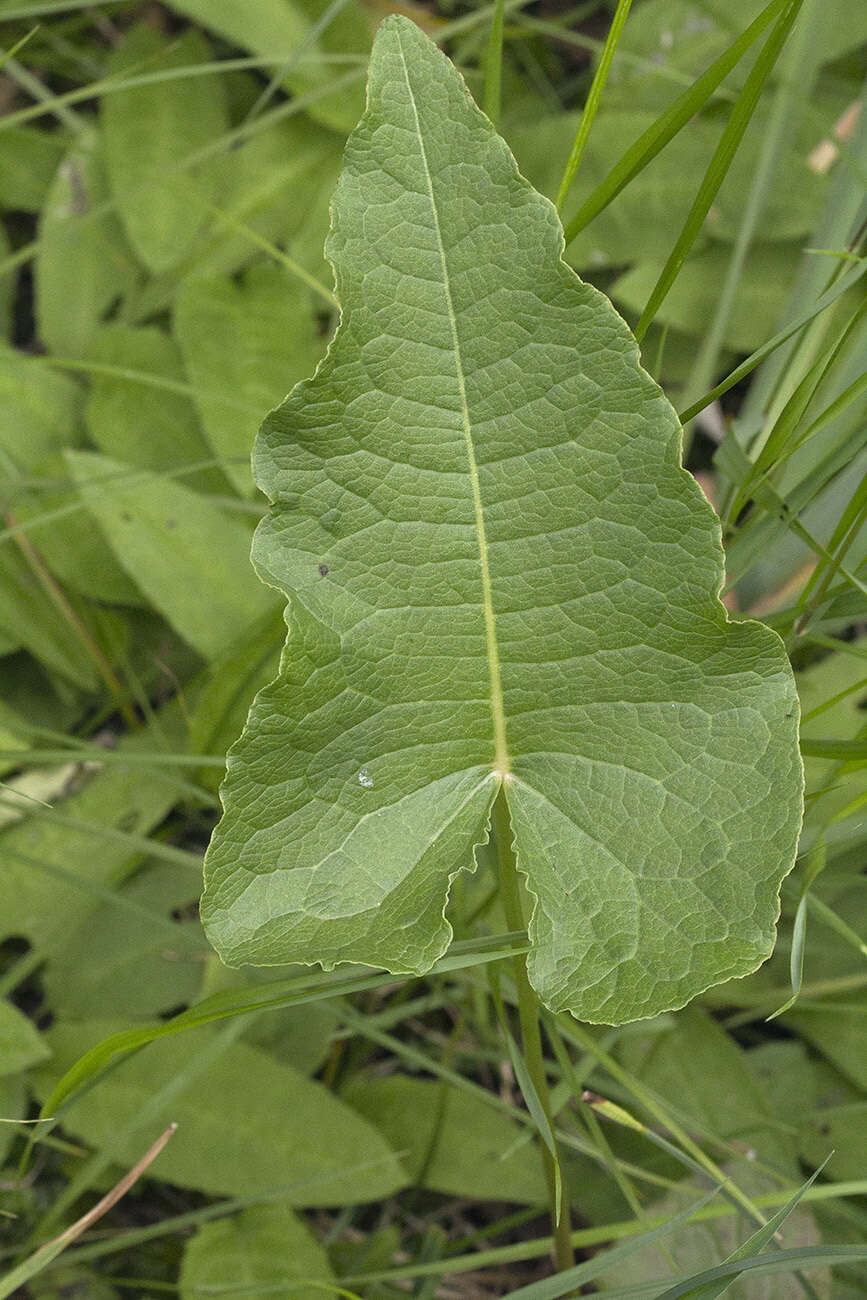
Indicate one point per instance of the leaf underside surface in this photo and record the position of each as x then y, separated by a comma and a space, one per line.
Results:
499, 577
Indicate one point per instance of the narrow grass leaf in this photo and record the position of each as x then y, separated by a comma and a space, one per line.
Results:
746, 367
234, 1002
594, 95
657, 136
737, 124
563, 1284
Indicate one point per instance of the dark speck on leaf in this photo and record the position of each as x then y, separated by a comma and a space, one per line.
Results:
125, 516
323, 569
171, 523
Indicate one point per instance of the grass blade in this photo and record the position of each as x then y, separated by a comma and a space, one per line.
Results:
41, 1258
657, 136
563, 1284
827, 299
739, 120
601, 76
494, 63
282, 993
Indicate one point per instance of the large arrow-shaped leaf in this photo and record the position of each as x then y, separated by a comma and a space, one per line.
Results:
499, 577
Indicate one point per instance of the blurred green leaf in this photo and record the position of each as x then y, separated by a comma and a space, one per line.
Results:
125, 962
29, 159
84, 264
264, 1247
40, 411
21, 1046
148, 130
245, 345
452, 1141
185, 554
280, 29
230, 1140
138, 422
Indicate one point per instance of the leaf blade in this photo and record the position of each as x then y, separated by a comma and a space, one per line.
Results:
483, 546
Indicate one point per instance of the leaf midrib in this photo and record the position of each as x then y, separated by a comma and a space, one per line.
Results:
502, 762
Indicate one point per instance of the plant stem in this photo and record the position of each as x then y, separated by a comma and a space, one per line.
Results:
529, 1017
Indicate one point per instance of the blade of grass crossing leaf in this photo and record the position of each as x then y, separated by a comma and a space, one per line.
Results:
235, 1002
756, 1243
786, 1261
796, 81
783, 438
657, 136
578, 1034
321, 25
828, 298
737, 124
27, 81
552, 1288
600, 77
117, 84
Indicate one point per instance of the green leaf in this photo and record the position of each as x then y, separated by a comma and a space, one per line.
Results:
39, 410
148, 131
759, 301
282, 29
29, 159
244, 345
708, 1078
29, 617
184, 553
132, 961
499, 576
84, 263
20, 1044
452, 1141
56, 522
44, 908
264, 1247
141, 423
296, 1132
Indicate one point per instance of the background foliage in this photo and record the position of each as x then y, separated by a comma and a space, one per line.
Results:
165, 172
